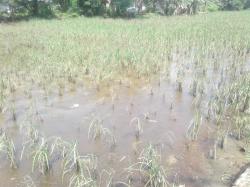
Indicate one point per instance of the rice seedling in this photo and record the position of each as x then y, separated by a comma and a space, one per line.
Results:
82, 167
150, 168
179, 79
108, 178
31, 138
222, 139
240, 124
2, 100
13, 111
138, 126
193, 89
213, 151
194, 126
97, 131
7, 148
80, 180
41, 157
60, 146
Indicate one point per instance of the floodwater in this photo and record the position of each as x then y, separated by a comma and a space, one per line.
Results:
164, 113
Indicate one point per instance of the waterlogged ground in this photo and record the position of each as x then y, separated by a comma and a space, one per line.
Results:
57, 77
164, 113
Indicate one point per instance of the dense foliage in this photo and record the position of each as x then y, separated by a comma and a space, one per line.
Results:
13, 9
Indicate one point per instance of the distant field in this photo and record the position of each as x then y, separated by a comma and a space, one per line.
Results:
155, 101
110, 48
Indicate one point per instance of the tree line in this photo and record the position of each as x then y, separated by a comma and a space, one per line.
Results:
14, 9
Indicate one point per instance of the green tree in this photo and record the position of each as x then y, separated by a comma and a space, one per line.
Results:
91, 7
233, 4
120, 6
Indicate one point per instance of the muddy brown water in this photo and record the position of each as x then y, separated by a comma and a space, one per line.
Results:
165, 114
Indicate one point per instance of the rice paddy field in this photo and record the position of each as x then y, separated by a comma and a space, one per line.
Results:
154, 101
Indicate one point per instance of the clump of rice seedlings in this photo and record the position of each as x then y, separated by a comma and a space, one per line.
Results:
138, 126
1, 106
240, 123
31, 138
12, 86
193, 89
213, 151
41, 157
83, 168
222, 139
150, 168
108, 178
2, 99
215, 110
197, 101
80, 180
60, 146
97, 131
61, 88
7, 148
194, 126
197, 87
13, 111
179, 80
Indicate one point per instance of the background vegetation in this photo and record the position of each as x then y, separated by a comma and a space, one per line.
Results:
17, 9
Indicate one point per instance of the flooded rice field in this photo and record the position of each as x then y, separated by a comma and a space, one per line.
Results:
154, 102
114, 124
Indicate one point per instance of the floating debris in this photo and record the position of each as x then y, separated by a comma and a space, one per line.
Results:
74, 106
